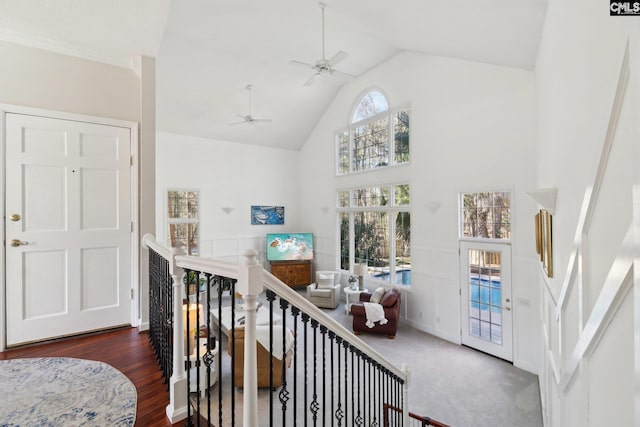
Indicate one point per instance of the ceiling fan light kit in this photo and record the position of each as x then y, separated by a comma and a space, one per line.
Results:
324, 67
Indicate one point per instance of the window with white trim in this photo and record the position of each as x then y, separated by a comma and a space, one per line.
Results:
375, 229
485, 215
183, 220
377, 137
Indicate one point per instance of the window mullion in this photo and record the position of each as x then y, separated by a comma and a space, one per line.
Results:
352, 241
351, 150
392, 247
391, 143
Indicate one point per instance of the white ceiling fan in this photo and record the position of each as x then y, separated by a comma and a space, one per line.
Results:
324, 66
248, 118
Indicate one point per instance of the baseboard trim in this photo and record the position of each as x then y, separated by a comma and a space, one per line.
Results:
526, 366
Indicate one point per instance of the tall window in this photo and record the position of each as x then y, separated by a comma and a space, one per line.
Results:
376, 137
486, 215
375, 229
182, 219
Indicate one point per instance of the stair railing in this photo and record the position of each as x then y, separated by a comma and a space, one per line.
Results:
334, 378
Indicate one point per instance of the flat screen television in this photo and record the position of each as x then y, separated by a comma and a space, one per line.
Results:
289, 246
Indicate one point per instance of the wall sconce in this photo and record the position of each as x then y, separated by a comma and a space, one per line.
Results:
360, 270
227, 209
432, 206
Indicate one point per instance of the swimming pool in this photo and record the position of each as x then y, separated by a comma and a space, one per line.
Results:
485, 309
484, 291
403, 277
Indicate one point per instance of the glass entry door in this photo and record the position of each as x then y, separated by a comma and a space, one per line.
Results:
486, 298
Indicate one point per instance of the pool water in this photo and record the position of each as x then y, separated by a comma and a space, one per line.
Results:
485, 309
403, 277
485, 291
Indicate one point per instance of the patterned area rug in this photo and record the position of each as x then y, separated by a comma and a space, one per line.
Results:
60, 391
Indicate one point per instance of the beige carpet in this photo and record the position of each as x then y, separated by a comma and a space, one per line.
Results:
457, 385
449, 383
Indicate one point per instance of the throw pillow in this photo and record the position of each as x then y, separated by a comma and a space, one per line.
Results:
389, 299
377, 294
325, 281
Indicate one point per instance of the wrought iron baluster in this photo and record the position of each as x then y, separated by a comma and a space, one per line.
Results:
357, 409
217, 282
386, 400
284, 344
167, 324
234, 352
188, 356
339, 414
379, 399
331, 374
196, 338
323, 333
369, 364
394, 392
345, 345
314, 402
271, 296
305, 323
295, 312
208, 357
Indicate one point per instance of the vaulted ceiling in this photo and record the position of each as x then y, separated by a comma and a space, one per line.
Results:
208, 51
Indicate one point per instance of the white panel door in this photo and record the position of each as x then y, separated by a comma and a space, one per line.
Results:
486, 298
68, 204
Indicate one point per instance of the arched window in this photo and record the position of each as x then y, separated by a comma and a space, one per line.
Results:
371, 104
376, 136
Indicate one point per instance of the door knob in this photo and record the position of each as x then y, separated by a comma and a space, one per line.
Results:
15, 243
14, 217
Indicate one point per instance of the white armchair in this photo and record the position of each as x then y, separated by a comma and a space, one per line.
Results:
325, 292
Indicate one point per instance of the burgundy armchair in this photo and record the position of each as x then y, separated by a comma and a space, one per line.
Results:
390, 303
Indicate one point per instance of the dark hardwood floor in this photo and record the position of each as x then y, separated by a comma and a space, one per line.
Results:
125, 349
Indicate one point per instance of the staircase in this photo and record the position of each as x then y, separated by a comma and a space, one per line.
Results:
298, 365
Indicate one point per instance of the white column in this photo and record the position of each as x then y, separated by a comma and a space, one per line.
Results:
250, 285
177, 408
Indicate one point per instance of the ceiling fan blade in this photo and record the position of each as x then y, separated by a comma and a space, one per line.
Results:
342, 74
337, 58
311, 79
238, 123
301, 64
261, 120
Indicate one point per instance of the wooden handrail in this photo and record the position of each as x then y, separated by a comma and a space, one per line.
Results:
426, 421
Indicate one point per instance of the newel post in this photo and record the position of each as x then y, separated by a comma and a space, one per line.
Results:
177, 408
250, 280
405, 394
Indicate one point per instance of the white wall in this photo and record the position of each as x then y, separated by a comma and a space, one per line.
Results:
233, 175
472, 128
588, 317
42, 79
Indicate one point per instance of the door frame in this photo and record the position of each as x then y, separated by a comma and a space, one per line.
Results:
490, 245
135, 240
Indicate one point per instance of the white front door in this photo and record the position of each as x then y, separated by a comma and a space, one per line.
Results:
486, 298
68, 227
